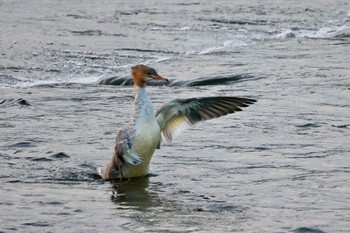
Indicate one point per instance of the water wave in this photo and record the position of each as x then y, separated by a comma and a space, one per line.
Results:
203, 81
328, 32
28, 82
13, 102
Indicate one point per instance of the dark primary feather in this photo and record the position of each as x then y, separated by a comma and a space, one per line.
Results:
178, 113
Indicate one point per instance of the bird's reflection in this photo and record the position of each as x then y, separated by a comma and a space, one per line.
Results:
134, 193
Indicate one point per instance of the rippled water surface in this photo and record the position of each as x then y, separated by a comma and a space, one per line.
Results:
281, 165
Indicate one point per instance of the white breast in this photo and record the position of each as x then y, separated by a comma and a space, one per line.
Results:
146, 134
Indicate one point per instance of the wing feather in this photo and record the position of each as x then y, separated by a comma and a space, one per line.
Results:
123, 149
181, 113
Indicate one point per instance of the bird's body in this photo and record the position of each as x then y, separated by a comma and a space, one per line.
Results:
145, 133
137, 142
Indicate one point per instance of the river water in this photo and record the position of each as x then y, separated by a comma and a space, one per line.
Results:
281, 165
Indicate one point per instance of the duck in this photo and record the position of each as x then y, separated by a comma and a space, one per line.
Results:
136, 143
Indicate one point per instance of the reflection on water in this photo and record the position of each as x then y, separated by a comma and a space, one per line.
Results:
132, 192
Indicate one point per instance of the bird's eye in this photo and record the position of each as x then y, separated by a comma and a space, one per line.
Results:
148, 73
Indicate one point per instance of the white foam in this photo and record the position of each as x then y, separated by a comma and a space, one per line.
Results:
85, 80
324, 32
225, 44
285, 33
33, 82
186, 28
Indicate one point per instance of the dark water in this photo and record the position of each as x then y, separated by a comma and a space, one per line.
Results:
281, 165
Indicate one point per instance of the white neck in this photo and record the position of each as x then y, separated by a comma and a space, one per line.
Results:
143, 107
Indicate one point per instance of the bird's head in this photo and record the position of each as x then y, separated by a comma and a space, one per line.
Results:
142, 74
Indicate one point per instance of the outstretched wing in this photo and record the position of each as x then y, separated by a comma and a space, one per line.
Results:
180, 113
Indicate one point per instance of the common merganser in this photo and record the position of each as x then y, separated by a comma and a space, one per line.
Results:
136, 143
